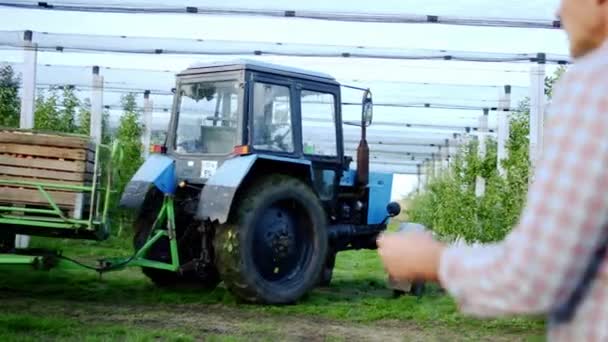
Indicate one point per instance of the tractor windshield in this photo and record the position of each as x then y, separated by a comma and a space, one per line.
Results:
207, 117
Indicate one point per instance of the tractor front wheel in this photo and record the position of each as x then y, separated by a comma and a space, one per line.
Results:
274, 246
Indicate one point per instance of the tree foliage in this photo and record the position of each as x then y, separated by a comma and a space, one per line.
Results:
448, 204
10, 105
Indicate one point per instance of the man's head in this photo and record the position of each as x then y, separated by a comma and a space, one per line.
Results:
586, 22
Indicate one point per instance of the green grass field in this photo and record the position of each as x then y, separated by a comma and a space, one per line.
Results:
79, 305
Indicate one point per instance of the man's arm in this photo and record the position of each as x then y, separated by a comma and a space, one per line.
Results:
539, 263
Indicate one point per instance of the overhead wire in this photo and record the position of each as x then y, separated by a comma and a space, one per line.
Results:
58, 42
342, 16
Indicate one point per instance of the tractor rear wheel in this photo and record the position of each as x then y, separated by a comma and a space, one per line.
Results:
189, 249
275, 243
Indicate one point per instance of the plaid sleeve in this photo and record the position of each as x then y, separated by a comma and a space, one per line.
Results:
566, 212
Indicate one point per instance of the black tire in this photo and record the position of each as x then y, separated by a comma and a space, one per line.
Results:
7, 240
275, 244
418, 288
328, 269
160, 251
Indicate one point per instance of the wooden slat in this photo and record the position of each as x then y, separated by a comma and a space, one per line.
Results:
45, 139
62, 175
40, 179
29, 196
46, 163
44, 151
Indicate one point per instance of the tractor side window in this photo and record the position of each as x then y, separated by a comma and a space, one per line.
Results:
272, 118
318, 123
207, 117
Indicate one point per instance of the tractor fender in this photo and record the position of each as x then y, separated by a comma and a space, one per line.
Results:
158, 171
220, 190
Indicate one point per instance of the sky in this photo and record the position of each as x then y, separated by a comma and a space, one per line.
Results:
474, 83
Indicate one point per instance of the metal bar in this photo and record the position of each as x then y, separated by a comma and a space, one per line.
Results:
142, 251
46, 185
23, 221
46, 219
94, 188
106, 202
27, 210
14, 259
51, 202
171, 231
153, 264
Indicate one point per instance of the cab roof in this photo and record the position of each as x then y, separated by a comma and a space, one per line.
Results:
253, 65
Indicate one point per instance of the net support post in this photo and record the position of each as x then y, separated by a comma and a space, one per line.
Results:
480, 182
28, 101
96, 105
446, 155
503, 118
537, 109
147, 136
419, 177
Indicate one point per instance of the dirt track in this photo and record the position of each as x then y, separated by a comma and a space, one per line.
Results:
202, 320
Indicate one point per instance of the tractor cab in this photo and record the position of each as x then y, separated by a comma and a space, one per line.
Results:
247, 107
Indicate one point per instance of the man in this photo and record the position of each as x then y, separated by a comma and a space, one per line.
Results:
543, 262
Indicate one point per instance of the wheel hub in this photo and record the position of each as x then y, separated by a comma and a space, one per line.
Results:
280, 236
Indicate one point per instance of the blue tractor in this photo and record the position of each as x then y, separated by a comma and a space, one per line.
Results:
252, 186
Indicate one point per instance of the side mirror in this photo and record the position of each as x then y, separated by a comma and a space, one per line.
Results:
367, 111
393, 209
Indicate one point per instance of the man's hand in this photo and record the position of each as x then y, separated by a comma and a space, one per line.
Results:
411, 256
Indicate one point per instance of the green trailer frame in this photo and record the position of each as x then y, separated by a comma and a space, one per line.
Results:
38, 221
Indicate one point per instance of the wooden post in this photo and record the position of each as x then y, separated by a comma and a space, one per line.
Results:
503, 115
146, 137
480, 182
96, 106
537, 108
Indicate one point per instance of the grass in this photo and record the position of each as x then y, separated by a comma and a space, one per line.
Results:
358, 295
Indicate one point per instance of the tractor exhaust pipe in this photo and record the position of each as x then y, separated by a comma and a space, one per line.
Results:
363, 148
363, 159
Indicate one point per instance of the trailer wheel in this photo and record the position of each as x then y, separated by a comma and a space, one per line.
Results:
275, 244
160, 251
7, 240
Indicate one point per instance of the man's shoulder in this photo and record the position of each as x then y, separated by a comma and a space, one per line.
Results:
583, 78
590, 67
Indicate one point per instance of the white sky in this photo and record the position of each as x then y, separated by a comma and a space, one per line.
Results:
407, 36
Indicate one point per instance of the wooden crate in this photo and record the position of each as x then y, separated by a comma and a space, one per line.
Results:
45, 158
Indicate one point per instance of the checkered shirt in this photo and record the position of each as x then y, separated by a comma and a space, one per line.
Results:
543, 258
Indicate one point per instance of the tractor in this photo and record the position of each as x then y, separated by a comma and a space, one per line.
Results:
243, 191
